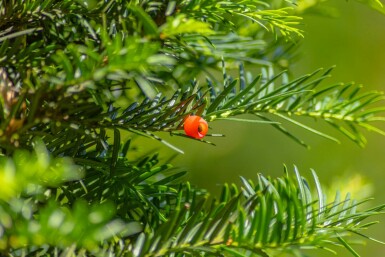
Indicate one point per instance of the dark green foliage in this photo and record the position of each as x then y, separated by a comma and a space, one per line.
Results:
77, 77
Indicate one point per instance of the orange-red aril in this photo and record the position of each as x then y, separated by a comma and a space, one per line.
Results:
195, 126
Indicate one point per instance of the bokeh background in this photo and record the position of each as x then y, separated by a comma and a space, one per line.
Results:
354, 42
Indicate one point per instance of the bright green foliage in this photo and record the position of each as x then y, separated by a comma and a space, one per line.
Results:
34, 173
266, 219
33, 211
76, 75
59, 226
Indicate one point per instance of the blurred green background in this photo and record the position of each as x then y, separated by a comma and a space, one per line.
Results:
355, 43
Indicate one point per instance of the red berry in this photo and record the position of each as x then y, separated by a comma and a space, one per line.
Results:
195, 126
